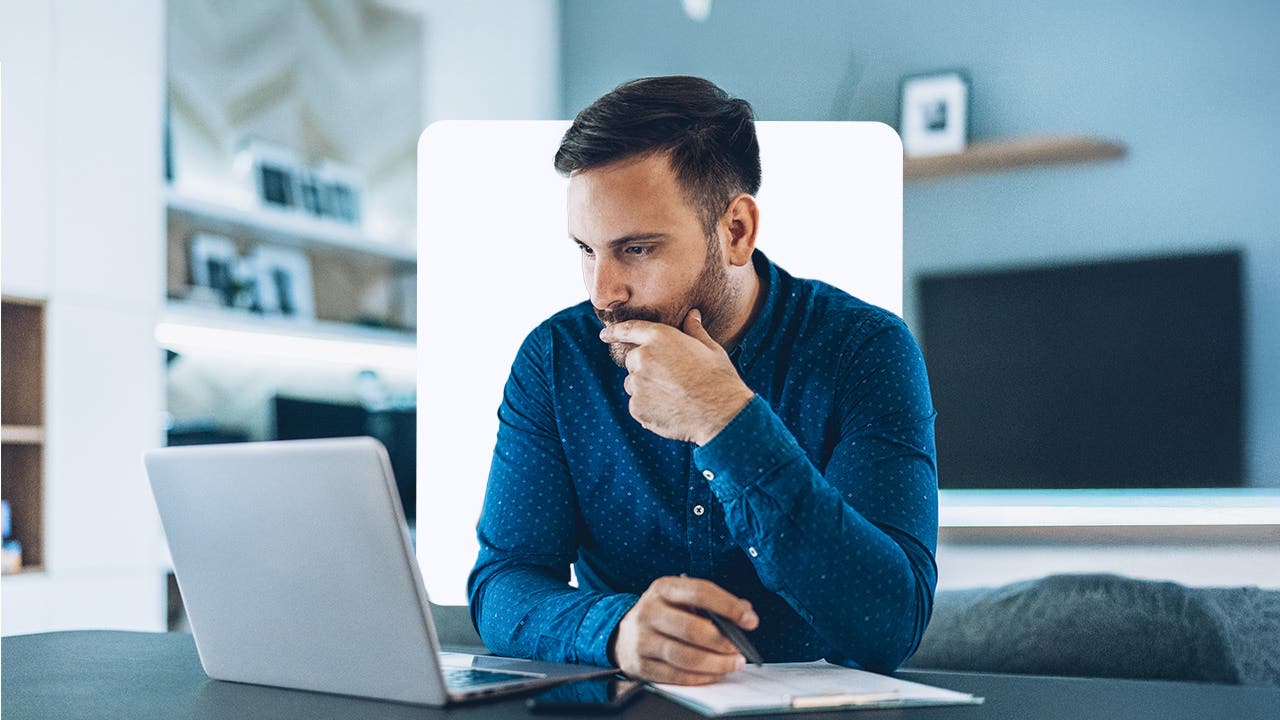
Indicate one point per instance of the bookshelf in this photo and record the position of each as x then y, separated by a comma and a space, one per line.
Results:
22, 321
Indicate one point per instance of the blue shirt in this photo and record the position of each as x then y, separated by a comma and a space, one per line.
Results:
817, 502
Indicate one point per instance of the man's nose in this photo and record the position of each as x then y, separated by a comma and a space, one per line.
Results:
607, 284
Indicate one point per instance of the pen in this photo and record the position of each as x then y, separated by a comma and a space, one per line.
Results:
735, 635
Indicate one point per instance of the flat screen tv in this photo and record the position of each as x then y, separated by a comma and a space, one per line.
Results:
1118, 374
299, 418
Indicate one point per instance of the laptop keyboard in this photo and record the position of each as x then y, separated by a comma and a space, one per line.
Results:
472, 677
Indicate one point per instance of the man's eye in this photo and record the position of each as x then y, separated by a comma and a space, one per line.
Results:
585, 250
639, 250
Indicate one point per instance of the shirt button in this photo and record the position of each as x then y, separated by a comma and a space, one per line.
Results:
752, 551
708, 475
698, 510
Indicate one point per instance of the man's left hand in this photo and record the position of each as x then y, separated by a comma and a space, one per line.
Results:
682, 384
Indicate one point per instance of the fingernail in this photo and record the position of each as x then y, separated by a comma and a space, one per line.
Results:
750, 618
740, 663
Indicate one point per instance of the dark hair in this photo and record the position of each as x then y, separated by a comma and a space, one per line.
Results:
709, 137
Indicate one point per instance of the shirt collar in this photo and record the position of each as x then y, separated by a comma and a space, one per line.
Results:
770, 279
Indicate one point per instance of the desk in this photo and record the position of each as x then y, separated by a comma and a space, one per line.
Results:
101, 674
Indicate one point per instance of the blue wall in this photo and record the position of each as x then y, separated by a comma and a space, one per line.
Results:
1192, 88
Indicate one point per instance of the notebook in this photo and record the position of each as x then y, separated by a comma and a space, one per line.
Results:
297, 571
812, 686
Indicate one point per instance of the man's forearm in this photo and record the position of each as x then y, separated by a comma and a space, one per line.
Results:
866, 589
524, 610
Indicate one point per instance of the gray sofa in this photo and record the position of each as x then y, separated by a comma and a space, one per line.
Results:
1107, 626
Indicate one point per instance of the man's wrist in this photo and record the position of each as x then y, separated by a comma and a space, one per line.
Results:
732, 407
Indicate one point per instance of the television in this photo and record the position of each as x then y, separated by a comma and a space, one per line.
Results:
1111, 374
396, 428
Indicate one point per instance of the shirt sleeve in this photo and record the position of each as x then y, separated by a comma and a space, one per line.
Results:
850, 548
521, 601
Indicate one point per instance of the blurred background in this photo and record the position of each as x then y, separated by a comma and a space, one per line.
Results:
208, 236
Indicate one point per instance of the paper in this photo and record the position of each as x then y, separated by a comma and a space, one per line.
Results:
793, 687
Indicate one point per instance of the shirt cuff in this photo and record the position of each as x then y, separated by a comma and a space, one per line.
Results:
597, 628
751, 446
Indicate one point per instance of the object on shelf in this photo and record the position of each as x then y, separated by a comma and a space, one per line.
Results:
11, 560
327, 190
6, 518
934, 117
284, 282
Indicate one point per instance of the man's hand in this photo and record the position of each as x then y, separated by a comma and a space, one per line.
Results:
663, 639
682, 384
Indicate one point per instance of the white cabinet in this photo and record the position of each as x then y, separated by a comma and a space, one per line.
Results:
84, 230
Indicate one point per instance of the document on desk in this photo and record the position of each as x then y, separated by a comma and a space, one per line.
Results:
797, 687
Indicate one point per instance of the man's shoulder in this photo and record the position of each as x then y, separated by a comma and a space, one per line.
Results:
834, 309
575, 323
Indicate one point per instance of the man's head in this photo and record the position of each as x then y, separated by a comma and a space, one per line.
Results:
661, 173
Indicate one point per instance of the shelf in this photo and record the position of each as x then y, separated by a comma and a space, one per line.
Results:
1227, 507
281, 227
22, 434
187, 328
1003, 155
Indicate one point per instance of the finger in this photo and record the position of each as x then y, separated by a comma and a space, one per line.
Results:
655, 670
636, 332
693, 629
689, 658
694, 328
704, 594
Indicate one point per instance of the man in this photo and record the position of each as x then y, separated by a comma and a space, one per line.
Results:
707, 432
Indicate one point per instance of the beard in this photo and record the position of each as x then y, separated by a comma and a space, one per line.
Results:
711, 294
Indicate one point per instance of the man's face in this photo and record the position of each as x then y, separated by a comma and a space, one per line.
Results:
645, 255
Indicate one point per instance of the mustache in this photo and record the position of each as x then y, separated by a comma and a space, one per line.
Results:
623, 314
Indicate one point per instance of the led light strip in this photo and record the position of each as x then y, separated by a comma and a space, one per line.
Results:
182, 337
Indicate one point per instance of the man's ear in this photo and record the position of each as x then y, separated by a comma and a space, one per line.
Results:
742, 220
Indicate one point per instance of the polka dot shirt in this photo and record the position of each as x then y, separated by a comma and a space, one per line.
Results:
817, 503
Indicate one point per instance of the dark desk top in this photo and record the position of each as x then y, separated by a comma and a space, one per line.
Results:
103, 674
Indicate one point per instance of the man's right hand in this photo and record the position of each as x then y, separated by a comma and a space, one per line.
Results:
664, 639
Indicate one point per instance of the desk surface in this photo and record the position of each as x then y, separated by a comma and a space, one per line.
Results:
101, 674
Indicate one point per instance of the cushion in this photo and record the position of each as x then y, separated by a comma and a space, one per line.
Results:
1107, 626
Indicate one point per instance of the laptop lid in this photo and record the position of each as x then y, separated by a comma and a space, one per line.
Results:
296, 570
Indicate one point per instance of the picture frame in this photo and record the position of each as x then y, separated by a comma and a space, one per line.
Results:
284, 282
213, 260
339, 188
934, 113
276, 172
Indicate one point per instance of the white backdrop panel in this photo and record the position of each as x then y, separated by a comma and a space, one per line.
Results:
494, 261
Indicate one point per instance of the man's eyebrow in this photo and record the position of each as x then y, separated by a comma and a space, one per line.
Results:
626, 239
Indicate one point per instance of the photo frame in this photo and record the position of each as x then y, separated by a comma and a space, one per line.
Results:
276, 171
338, 188
934, 114
284, 282
213, 264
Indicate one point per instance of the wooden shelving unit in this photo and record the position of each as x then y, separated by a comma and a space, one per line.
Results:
1004, 155
22, 322
346, 265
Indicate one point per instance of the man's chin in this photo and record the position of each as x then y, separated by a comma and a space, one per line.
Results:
618, 352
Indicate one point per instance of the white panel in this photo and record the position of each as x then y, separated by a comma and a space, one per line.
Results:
25, 36
107, 175
494, 261
104, 411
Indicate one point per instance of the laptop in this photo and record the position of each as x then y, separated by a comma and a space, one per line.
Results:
296, 569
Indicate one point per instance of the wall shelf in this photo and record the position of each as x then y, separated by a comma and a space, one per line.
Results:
1004, 155
280, 227
189, 327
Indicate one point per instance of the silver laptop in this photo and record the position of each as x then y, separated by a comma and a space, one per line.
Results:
296, 569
